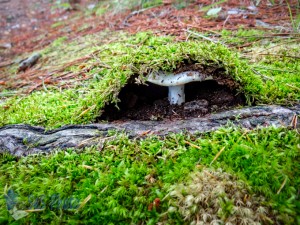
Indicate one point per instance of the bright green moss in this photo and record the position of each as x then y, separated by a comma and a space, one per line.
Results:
127, 175
113, 64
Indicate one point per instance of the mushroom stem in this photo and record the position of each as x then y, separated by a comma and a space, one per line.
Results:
176, 95
176, 82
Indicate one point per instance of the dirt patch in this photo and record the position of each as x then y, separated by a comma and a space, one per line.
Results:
150, 101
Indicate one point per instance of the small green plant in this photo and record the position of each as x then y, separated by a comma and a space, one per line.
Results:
57, 24
295, 22
59, 41
179, 4
62, 5
117, 6
206, 8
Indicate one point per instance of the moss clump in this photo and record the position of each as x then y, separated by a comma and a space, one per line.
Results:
124, 177
117, 62
214, 196
111, 66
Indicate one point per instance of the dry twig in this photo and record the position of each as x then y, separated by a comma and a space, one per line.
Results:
217, 155
193, 145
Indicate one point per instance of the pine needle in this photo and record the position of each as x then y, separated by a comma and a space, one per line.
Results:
84, 202
87, 110
193, 145
217, 155
282, 185
87, 167
294, 122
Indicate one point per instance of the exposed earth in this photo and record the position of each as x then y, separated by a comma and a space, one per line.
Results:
150, 102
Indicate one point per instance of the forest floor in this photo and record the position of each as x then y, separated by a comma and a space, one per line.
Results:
72, 87
30, 25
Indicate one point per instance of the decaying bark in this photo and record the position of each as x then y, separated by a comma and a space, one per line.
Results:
29, 62
22, 140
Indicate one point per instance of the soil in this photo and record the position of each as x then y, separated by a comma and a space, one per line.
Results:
150, 101
27, 25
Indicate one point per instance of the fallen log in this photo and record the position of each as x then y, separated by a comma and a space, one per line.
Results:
22, 140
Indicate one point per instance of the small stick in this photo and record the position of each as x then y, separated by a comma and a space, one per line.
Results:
86, 141
176, 114
193, 145
4, 64
89, 140
269, 78
282, 185
273, 69
84, 202
292, 86
44, 86
135, 13
209, 174
85, 111
263, 76
227, 18
288, 56
288, 35
145, 132
33, 210
187, 38
88, 167
104, 189
202, 36
217, 155
294, 122
282, 43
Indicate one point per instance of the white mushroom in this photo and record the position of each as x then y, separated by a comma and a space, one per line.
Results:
176, 83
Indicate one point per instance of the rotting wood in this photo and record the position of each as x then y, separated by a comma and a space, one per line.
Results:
38, 140
29, 62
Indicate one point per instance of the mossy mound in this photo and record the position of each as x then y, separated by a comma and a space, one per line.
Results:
112, 66
213, 196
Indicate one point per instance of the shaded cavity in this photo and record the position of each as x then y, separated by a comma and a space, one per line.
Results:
150, 101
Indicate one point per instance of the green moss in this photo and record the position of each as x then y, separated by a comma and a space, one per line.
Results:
138, 55
126, 176
117, 7
59, 41
111, 65
57, 24
242, 36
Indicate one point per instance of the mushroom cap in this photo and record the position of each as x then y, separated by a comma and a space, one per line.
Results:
169, 79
